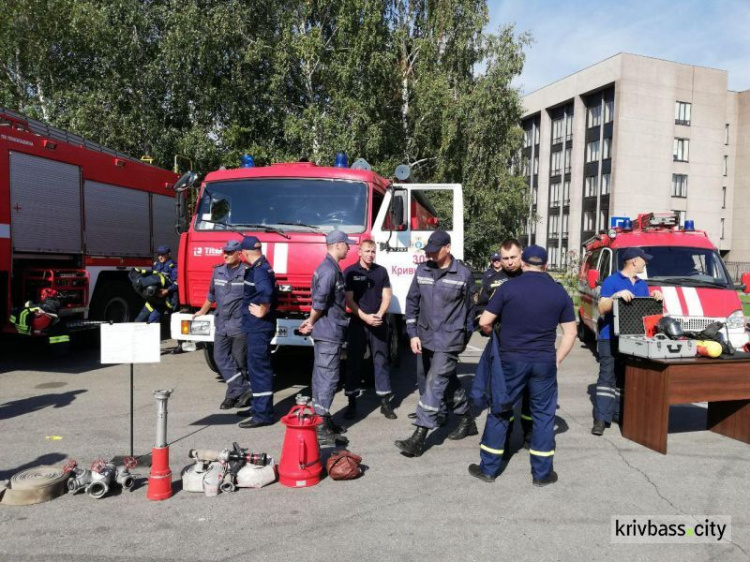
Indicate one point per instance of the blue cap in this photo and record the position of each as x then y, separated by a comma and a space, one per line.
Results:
534, 255
232, 246
437, 240
632, 253
163, 250
250, 243
495, 256
336, 236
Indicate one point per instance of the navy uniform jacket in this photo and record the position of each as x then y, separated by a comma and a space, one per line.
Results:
491, 280
439, 305
260, 287
227, 291
328, 297
168, 268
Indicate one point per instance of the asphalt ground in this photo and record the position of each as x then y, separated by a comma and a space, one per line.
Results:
427, 508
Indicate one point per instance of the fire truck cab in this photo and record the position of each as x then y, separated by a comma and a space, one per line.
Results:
686, 267
290, 207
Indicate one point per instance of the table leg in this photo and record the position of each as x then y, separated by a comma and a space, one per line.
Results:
730, 418
646, 415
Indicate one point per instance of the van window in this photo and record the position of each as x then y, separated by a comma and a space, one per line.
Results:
605, 264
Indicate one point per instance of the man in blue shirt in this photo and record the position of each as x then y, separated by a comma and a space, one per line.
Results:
368, 296
530, 308
624, 284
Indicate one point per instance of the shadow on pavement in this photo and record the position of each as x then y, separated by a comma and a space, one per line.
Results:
42, 460
35, 403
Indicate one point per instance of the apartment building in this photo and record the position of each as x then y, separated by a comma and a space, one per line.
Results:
634, 134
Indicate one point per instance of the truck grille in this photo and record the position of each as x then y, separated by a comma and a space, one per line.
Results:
298, 299
696, 323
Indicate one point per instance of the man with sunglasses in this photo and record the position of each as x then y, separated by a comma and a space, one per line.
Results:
230, 349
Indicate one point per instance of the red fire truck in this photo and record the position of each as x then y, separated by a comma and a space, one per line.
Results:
74, 217
290, 207
686, 268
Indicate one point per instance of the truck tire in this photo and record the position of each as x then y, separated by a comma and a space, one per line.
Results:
208, 355
116, 302
584, 334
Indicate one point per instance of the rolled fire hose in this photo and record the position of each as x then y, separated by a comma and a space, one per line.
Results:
35, 485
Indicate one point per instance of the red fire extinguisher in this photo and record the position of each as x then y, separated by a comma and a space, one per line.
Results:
300, 465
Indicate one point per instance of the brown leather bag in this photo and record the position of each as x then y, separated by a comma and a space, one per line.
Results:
344, 465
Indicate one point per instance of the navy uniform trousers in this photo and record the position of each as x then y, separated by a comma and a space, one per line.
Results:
438, 382
360, 336
541, 379
230, 357
261, 373
611, 377
326, 374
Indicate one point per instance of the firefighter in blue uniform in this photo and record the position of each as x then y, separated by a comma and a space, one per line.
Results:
167, 267
530, 308
230, 348
259, 325
327, 324
368, 295
439, 324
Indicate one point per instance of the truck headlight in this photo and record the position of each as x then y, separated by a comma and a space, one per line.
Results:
195, 327
736, 320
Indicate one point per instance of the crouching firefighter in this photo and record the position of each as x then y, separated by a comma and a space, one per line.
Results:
157, 286
439, 324
41, 319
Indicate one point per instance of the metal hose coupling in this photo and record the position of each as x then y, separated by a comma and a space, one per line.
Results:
79, 479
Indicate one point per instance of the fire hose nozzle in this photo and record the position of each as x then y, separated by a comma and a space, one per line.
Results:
228, 485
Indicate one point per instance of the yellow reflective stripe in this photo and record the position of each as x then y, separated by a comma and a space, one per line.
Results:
525, 417
149, 307
59, 339
490, 450
541, 453
512, 418
169, 305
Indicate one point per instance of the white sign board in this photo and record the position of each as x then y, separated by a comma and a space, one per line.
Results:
134, 342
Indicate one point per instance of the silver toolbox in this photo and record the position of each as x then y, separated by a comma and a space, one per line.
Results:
632, 340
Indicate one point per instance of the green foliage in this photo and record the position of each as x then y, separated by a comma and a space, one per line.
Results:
392, 81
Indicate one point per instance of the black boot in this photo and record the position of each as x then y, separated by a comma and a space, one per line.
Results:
466, 426
414, 445
385, 407
325, 437
351, 409
334, 430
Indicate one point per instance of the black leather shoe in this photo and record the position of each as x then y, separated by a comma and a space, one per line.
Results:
476, 472
466, 426
228, 403
326, 438
551, 479
177, 350
414, 445
244, 400
598, 428
253, 423
333, 427
351, 409
386, 409
412, 415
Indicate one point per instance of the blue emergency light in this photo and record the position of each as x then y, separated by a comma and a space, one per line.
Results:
247, 161
689, 225
341, 160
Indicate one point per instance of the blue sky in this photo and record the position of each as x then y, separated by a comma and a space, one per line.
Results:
571, 35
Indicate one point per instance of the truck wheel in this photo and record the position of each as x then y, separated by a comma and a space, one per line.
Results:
208, 354
115, 302
584, 334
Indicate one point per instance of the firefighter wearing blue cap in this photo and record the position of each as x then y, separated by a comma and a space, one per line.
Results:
230, 350
624, 284
439, 324
530, 308
259, 325
327, 323
166, 267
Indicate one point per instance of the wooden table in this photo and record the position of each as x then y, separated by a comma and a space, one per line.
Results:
653, 385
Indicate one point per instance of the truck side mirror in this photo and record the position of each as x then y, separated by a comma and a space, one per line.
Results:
396, 211
746, 282
181, 188
592, 277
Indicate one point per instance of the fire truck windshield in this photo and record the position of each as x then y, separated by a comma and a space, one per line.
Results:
320, 204
685, 266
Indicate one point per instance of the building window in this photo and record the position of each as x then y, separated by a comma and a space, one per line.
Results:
590, 185
527, 136
680, 216
554, 194
534, 195
565, 218
606, 178
609, 111
724, 197
682, 113
588, 220
681, 150
557, 130
722, 229
679, 185
553, 256
607, 148
554, 225
568, 156
726, 164
592, 151
726, 134
566, 192
536, 165
603, 218
556, 168
569, 126
594, 116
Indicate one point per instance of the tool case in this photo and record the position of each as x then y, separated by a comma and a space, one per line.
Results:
632, 340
